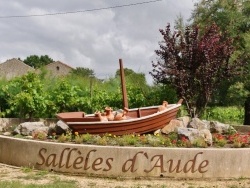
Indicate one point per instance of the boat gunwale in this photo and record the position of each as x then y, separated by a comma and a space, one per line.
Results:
173, 106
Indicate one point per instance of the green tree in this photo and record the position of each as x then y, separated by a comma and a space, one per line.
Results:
37, 62
127, 72
194, 63
161, 92
25, 96
84, 72
179, 23
137, 88
136, 79
3, 98
67, 97
237, 94
233, 18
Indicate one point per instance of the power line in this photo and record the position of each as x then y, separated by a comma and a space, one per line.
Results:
79, 11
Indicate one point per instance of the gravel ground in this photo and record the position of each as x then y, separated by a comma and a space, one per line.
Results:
11, 173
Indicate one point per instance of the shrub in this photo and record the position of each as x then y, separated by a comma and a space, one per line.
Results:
232, 114
199, 143
219, 140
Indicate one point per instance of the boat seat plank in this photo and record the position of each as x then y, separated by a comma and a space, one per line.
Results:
139, 113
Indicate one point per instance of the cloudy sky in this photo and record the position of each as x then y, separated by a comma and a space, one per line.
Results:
91, 39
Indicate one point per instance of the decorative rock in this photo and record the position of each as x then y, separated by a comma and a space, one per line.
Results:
27, 128
185, 120
172, 126
6, 133
206, 134
3, 127
3, 124
196, 123
52, 128
194, 134
157, 132
40, 133
220, 127
188, 132
207, 123
61, 128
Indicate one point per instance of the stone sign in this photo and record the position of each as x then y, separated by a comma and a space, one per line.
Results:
126, 161
80, 160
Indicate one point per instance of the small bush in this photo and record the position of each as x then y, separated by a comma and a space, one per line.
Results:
130, 139
219, 140
78, 138
231, 115
199, 143
65, 137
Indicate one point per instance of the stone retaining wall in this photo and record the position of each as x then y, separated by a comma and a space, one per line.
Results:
114, 161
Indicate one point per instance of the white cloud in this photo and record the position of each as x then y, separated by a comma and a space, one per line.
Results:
91, 39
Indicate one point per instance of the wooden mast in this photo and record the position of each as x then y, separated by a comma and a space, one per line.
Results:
124, 91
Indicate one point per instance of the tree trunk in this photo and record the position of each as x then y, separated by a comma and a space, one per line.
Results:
247, 112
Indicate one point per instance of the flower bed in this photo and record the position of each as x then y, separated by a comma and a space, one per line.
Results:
227, 140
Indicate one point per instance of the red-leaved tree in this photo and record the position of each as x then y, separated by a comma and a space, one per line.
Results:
194, 63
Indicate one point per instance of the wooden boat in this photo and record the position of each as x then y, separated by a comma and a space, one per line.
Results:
133, 121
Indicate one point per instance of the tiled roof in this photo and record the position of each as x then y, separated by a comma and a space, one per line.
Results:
59, 62
15, 61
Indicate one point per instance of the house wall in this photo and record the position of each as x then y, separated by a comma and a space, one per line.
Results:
58, 68
13, 68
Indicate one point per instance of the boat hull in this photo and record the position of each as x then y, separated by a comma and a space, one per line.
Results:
139, 121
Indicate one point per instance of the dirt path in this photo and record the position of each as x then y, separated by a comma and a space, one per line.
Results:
11, 173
